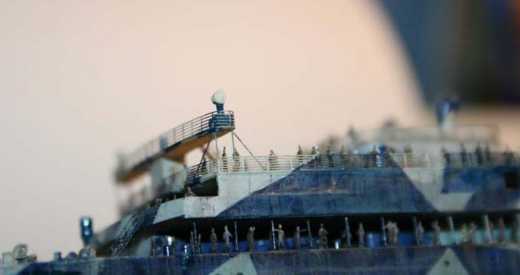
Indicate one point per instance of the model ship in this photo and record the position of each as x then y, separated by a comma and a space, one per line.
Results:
437, 200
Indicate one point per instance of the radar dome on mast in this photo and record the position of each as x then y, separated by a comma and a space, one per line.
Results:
219, 98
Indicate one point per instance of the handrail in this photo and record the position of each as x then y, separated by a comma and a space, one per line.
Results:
210, 122
268, 164
238, 164
246, 164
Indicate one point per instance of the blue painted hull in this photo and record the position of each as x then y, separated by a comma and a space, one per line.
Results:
399, 260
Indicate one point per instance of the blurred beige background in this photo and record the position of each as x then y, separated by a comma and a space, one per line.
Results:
80, 80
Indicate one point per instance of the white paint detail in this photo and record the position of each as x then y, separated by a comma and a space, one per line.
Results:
448, 264
232, 188
241, 263
429, 181
170, 210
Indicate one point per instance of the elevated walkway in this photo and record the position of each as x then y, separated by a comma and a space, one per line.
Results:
175, 143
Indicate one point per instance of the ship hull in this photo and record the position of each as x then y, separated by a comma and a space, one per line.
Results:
390, 260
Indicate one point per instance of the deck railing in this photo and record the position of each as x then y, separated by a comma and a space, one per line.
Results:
270, 164
247, 164
210, 122
240, 164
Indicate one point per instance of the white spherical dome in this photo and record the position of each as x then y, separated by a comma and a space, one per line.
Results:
219, 97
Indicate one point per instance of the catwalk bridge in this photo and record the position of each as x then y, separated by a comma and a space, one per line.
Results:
175, 143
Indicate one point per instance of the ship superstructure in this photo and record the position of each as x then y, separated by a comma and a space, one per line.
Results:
405, 201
